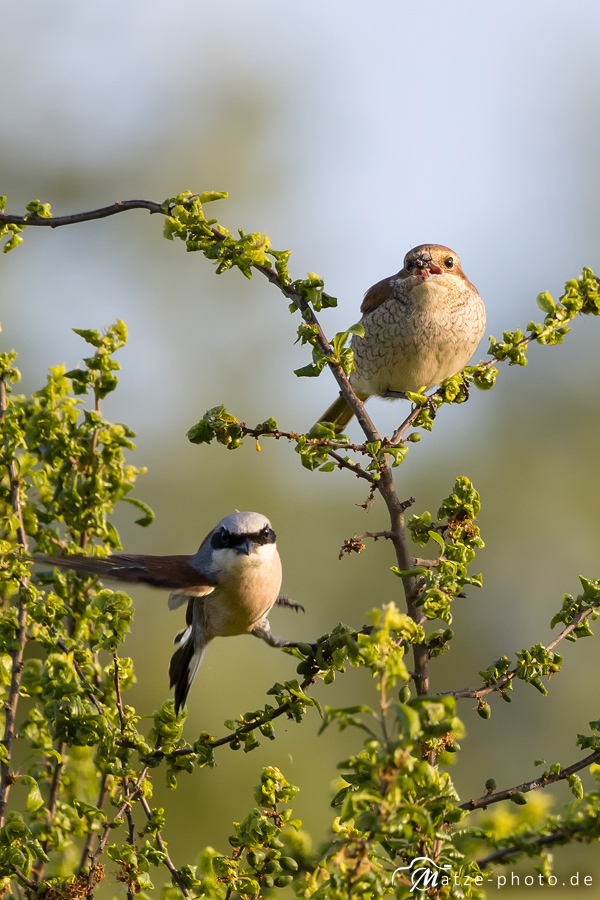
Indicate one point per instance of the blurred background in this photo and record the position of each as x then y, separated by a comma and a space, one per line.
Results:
349, 135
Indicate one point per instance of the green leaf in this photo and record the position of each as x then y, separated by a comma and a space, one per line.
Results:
148, 517
34, 797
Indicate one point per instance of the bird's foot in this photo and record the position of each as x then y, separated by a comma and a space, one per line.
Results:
430, 405
395, 395
291, 604
263, 631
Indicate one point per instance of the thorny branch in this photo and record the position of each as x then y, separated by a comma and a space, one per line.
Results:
385, 485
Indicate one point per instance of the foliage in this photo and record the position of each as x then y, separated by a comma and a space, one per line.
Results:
82, 748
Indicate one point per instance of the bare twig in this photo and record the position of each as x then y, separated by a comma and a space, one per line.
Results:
56, 222
355, 543
505, 679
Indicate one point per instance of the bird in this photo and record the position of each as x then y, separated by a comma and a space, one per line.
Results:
230, 585
421, 326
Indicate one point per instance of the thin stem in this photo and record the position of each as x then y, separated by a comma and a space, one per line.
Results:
23, 877
294, 436
110, 825
162, 846
384, 705
82, 678
56, 222
500, 855
10, 706
124, 779
467, 693
355, 543
396, 510
87, 847
354, 467
410, 419
52, 801
541, 782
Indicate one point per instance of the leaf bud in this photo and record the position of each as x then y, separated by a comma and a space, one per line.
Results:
404, 694
484, 709
289, 864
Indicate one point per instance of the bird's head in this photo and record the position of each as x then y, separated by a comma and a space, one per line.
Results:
430, 261
244, 533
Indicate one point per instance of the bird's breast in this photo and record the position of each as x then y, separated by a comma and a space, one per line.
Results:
416, 338
247, 588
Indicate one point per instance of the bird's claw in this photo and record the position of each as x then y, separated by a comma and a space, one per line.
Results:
291, 604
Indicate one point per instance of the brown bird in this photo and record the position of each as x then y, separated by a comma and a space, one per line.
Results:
421, 327
230, 585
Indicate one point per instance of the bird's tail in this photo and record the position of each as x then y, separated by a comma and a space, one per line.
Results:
192, 643
338, 414
89, 565
173, 572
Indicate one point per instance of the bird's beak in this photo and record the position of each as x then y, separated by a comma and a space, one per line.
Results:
246, 546
425, 268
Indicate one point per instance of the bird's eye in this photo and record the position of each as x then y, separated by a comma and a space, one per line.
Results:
449, 262
221, 539
409, 265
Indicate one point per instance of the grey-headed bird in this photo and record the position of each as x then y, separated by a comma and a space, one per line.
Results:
422, 326
230, 585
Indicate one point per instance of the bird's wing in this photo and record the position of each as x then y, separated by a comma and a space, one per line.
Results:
376, 295
159, 571
181, 595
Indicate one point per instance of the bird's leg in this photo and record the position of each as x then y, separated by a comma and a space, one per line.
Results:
466, 386
262, 630
291, 604
395, 395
